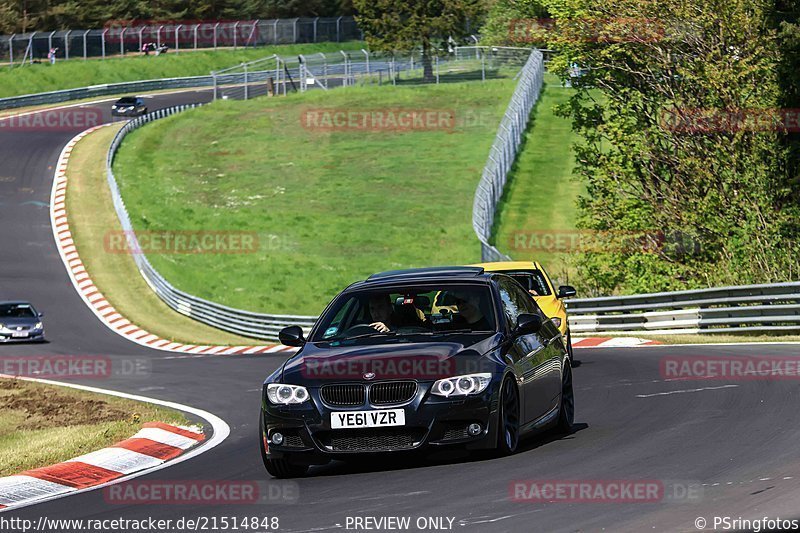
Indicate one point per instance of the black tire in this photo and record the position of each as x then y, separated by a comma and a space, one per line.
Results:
277, 468
508, 419
566, 408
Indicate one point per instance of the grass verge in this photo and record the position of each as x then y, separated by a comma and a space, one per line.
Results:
38, 78
717, 338
42, 425
92, 217
540, 199
330, 205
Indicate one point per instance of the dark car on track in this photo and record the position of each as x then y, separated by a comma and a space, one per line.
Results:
416, 360
129, 106
19, 321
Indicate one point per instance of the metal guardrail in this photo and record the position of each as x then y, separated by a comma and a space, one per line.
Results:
80, 93
246, 323
504, 152
769, 308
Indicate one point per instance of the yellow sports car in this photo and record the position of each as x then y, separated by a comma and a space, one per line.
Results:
533, 277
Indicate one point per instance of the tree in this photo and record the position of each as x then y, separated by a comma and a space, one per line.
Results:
667, 108
392, 25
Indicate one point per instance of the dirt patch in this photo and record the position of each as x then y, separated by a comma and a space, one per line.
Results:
47, 408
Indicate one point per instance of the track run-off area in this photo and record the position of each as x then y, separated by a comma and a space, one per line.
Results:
724, 448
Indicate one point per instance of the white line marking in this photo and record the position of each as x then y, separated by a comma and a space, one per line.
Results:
220, 427
684, 391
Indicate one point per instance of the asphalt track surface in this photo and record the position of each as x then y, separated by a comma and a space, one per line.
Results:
737, 439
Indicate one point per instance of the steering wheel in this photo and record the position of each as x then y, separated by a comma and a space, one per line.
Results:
359, 329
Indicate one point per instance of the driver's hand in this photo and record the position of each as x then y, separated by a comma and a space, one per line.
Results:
380, 326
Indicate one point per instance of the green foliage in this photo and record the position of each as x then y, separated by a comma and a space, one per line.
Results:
509, 21
39, 15
723, 199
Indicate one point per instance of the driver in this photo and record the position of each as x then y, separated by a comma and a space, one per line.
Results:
380, 309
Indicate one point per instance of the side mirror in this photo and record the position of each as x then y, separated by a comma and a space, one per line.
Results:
527, 324
292, 336
566, 291
41, 315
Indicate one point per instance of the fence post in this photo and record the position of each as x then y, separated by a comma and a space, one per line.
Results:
214, 78
235, 34
215, 35
344, 79
11, 50
84, 43
103, 43
50, 41
483, 67
275, 32
294, 30
66, 44
122, 41
141, 37
253, 34
339, 30
196, 28
158, 35
315, 28
366, 54
436, 62
177, 33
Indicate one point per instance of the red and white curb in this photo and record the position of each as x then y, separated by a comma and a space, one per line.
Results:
156, 446
153, 445
611, 342
92, 295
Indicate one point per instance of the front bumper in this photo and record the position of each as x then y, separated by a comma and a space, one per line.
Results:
430, 422
33, 336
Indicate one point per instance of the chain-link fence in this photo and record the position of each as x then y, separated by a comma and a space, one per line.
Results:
280, 75
504, 152
126, 37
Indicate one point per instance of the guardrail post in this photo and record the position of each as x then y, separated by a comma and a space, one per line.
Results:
344, 79
246, 92
214, 79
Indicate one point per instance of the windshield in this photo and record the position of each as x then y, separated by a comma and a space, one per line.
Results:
126, 101
16, 311
424, 310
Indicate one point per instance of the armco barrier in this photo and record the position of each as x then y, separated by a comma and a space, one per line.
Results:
769, 308
256, 325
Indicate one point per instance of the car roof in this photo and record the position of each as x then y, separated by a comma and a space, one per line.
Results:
15, 302
506, 266
445, 273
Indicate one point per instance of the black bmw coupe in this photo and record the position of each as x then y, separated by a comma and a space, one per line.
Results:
413, 360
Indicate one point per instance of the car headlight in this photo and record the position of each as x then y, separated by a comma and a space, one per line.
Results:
38, 325
557, 321
461, 385
286, 394
2, 326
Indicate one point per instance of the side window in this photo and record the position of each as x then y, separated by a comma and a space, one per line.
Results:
511, 302
525, 302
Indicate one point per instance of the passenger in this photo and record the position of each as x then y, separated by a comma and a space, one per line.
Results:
470, 314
